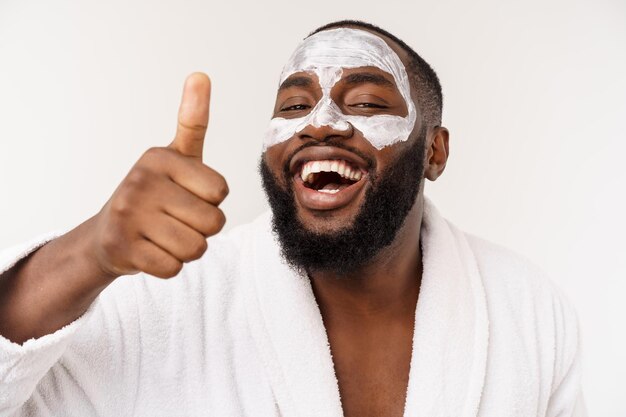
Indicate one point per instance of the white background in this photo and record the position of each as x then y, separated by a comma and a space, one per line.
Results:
535, 99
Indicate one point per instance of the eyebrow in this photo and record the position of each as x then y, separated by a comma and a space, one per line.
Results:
299, 81
368, 77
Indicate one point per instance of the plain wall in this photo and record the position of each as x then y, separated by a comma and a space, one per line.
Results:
535, 99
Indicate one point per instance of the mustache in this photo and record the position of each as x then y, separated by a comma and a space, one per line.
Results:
336, 143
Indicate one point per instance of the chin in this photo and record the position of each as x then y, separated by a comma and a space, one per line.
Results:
327, 222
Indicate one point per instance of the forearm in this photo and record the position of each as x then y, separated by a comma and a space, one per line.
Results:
51, 287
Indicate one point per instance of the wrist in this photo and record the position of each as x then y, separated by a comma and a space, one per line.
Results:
86, 250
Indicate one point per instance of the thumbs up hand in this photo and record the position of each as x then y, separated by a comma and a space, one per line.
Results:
159, 217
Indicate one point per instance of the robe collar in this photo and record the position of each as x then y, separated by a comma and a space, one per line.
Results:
450, 338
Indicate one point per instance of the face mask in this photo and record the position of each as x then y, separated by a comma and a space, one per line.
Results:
325, 54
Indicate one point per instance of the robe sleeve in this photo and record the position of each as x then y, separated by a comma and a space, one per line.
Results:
54, 373
567, 398
22, 366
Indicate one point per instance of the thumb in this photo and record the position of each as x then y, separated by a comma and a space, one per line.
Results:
193, 115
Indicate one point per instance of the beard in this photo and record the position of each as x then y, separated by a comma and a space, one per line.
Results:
385, 207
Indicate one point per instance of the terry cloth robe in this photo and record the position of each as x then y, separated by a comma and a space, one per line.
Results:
239, 333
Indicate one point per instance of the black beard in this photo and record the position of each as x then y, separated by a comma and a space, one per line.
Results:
385, 207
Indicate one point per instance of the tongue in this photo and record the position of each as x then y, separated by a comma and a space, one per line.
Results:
333, 186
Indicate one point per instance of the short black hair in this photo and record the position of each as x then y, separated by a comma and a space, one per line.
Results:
423, 77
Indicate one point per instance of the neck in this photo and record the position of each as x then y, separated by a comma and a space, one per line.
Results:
385, 288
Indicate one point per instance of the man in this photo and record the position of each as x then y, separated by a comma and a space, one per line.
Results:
353, 297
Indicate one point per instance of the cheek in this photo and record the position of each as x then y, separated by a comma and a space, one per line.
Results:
276, 157
388, 156
272, 157
280, 130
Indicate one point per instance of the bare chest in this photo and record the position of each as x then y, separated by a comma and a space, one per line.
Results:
372, 372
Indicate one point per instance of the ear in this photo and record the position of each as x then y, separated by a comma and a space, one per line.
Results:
438, 151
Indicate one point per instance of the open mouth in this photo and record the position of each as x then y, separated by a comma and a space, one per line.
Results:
329, 176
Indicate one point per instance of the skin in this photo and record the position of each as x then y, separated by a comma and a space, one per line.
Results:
368, 315
161, 214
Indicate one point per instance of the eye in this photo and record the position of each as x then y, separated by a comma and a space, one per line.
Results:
363, 100
295, 107
368, 106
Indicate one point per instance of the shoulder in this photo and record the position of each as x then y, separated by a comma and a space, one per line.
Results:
516, 277
526, 308
505, 270
520, 294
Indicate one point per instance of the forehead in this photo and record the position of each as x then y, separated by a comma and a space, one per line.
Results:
349, 76
344, 48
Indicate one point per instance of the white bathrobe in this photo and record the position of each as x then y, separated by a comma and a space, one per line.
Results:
239, 333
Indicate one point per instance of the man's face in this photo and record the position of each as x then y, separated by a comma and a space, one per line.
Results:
328, 178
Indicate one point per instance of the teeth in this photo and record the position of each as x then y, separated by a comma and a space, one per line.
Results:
328, 191
343, 168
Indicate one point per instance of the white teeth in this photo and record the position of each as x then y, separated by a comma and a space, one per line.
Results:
328, 191
341, 167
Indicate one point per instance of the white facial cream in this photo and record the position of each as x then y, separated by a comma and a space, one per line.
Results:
325, 54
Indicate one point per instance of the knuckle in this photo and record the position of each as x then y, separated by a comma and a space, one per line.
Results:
221, 188
156, 157
197, 248
137, 182
137, 177
215, 221
155, 152
219, 219
194, 127
171, 268
121, 206
162, 267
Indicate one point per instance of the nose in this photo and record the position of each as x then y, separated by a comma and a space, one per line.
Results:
327, 132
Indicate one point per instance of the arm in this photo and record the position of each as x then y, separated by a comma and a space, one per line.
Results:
567, 398
51, 287
64, 370
157, 219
